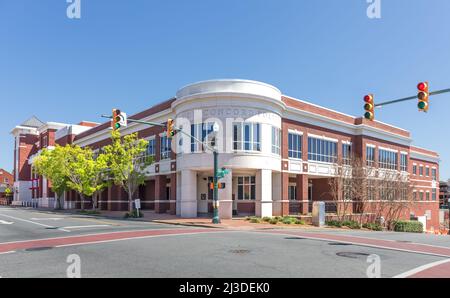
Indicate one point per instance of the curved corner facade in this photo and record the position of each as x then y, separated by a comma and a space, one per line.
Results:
281, 153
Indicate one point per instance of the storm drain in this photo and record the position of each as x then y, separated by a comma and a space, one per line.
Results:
339, 244
352, 255
240, 251
39, 248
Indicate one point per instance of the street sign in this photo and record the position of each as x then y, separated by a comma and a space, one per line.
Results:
137, 203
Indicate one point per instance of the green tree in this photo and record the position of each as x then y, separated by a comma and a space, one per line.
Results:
127, 162
52, 165
83, 171
101, 177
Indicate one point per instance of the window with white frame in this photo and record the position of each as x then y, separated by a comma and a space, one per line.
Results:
414, 169
346, 153
322, 150
387, 159
433, 194
370, 156
421, 196
201, 132
427, 171
292, 192
428, 195
403, 162
165, 147
421, 170
434, 173
295, 145
246, 188
276, 140
151, 150
246, 136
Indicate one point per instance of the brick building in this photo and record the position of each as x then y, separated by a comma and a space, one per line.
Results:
281, 153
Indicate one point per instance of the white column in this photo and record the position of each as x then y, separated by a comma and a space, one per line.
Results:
276, 192
226, 197
178, 194
263, 193
189, 194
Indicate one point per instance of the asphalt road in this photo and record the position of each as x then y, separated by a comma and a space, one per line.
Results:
38, 244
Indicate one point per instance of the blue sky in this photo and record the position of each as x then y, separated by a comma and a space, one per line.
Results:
133, 54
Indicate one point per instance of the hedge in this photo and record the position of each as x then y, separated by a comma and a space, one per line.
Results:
408, 226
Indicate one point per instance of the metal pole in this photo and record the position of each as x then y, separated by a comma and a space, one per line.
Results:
379, 105
216, 219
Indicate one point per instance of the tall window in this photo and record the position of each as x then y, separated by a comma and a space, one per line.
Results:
322, 150
292, 192
414, 169
421, 196
276, 140
246, 188
346, 153
370, 156
295, 145
247, 136
428, 195
370, 189
434, 174
421, 170
151, 149
404, 162
165, 147
433, 194
427, 171
200, 131
387, 159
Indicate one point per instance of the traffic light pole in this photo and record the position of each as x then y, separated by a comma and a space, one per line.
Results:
379, 105
216, 218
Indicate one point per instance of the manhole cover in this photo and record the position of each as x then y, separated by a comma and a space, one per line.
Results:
38, 248
352, 255
338, 244
239, 251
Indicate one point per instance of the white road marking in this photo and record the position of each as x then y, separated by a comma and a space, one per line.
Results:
33, 222
85, 227
47, 218
421, 268
2, 222
8, 252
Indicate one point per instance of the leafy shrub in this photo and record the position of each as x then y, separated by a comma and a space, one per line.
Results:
408, 226
299, 222
133, 214
334, 223
373, 226
266, 219
255, 220
351, 224
273, 221
287, 221
278, 218
89, 212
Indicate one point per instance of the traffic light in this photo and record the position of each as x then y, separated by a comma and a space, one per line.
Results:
170, 128
423, 96
119, 119
220, 185
369, 107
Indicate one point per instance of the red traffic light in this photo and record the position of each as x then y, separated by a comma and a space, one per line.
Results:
423, 86
368, 98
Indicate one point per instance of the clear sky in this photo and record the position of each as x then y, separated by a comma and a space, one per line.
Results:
133, 54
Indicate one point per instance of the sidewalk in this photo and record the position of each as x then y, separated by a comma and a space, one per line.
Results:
165, 218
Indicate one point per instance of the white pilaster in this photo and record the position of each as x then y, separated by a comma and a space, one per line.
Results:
188, 208
226, 197
178, 194
263, 193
